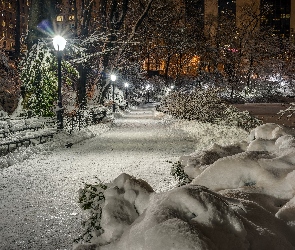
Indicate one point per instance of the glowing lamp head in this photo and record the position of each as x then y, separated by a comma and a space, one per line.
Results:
59, 43
126, 84
113, 77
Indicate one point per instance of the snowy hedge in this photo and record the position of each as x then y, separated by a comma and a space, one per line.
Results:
206, 106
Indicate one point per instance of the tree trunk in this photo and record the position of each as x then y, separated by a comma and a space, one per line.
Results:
17, 31
81, 89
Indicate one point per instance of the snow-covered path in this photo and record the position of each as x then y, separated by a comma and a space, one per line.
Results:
38, 197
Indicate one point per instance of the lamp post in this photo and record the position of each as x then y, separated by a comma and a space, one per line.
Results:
148, 93
126, 92
59, 44
113, 78
126, 89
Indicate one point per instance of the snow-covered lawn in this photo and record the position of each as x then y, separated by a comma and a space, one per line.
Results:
39, 187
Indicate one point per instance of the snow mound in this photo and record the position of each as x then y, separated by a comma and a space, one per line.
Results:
189, 217
267, 131
266, 162
128, 194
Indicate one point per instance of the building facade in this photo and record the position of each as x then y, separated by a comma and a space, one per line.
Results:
8, 22
278, 18
276, 15
72, 16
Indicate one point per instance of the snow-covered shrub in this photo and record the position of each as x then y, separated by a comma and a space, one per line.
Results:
206, 106
178, 173
39, 79
113, 208
91, 198
242, 119
38, 75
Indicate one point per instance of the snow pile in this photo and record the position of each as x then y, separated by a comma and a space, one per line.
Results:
267, 163
242, 196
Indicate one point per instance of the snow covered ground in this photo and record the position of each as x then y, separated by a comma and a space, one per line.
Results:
39, 187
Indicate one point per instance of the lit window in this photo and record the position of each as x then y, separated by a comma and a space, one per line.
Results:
59, 18
71, 18
9, 5
3, 23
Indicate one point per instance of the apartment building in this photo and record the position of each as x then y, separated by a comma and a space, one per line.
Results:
280, 17
71, 15
8, 22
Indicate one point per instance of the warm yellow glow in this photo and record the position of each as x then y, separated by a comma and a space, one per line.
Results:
59, 18
195, 61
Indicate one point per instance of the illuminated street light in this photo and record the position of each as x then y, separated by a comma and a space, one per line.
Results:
148, 92
126, 84
113, 79
59, 44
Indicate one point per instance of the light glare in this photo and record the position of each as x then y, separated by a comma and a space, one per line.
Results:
59, 43
113, 77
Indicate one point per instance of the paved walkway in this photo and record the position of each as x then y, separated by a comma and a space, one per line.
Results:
38, 197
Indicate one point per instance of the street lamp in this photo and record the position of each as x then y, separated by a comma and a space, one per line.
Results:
126, 84
148, 93
113, 78
59, 44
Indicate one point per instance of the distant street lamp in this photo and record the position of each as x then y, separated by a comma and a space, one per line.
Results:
113, 78
148, 92
59, 44
126, 84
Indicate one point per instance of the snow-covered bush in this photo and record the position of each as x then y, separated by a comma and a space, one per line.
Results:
38, 75
179, 175
39, 79
91, 199
206, 106
113, 208
233, 117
